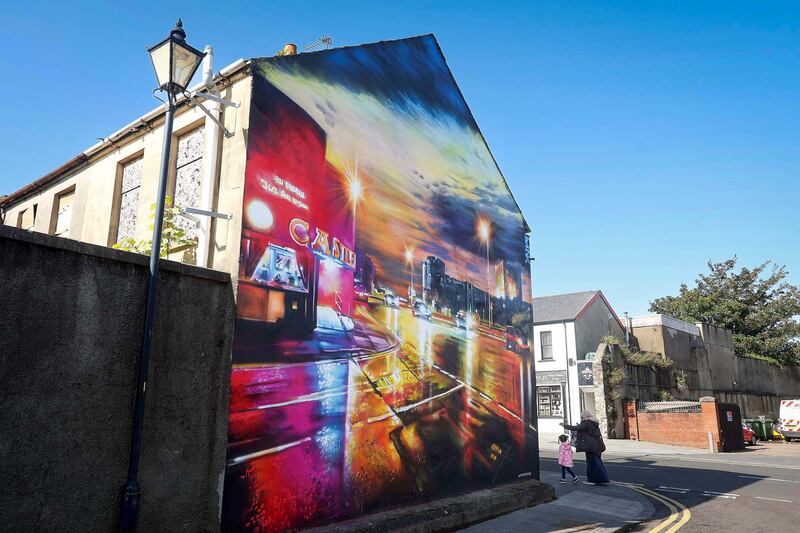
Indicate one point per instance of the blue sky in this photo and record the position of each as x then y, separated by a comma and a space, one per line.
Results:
640, 139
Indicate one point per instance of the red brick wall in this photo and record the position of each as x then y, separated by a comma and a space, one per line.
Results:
679, 429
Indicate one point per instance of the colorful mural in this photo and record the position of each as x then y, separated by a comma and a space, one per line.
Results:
380, 350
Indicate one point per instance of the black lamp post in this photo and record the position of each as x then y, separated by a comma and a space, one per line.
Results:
174, 62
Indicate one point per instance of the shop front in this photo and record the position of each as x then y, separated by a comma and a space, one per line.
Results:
297, 245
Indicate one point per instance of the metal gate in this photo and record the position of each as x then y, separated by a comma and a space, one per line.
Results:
730, 427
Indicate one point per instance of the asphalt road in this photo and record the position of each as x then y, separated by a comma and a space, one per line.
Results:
754, 490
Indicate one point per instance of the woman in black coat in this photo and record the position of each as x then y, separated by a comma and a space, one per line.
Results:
589, 440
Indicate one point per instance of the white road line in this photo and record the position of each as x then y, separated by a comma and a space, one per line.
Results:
734, 463
712, 494
773, 499
770, 479
673, 488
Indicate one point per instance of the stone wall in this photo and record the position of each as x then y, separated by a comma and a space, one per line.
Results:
70, 335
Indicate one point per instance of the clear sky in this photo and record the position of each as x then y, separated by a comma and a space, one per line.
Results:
641, 139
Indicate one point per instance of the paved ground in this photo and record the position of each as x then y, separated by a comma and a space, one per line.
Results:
754, 490
580, 507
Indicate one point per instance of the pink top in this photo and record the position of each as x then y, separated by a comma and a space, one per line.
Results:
565, 454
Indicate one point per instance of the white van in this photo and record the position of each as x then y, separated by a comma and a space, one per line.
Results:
790, 419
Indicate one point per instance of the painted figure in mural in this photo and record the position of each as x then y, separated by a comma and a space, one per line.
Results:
380, 354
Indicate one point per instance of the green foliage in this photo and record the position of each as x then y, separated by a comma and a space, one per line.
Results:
757, 304
616, 377
664, 396
173, 237
681, 380
635, 357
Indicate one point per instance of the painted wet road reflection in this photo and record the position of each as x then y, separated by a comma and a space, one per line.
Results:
313, 442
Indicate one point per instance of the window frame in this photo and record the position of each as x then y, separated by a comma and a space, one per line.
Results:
542, 345
116, 209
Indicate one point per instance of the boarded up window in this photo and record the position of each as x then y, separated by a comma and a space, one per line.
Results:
129, 199
64, 213
27, 217
188, 176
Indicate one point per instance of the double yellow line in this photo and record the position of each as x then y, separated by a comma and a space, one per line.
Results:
678, 513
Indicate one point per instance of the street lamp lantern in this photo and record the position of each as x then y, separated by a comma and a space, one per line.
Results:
174, 61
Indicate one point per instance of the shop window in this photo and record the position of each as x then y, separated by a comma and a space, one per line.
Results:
130, 184
63, 213
188, 175
549, 401
546, 338
278, 267
27, 217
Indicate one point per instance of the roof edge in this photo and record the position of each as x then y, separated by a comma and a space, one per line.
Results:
83, 157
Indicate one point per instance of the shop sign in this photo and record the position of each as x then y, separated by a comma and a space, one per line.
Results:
322, 243
551, 377
585, 374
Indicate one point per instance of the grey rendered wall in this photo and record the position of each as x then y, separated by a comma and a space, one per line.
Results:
595, 323
70, 332
756, 386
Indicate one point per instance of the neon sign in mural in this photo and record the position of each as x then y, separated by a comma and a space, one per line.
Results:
383, 265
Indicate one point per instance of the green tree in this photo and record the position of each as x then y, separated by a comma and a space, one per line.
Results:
757, 304
173, 236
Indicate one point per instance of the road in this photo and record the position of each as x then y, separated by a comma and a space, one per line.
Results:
754, 490
440, 410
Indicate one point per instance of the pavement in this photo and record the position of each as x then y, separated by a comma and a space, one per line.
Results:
579, 507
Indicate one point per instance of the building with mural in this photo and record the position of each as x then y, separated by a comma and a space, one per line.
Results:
383, 309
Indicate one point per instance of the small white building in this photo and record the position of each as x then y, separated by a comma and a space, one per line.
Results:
566, 330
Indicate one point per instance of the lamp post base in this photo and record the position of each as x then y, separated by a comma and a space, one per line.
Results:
129, 514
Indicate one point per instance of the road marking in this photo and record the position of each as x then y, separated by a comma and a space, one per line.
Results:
719, 495
770, 479
736, 463
673, 488
676, 509
773, 499
722, 493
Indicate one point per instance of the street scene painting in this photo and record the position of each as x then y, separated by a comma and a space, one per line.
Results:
381, 351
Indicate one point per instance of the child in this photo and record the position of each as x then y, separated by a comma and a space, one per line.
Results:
565, 459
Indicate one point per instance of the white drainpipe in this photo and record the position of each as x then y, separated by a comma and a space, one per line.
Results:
210, 162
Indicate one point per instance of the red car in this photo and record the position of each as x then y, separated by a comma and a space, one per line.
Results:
516, 341
749, 435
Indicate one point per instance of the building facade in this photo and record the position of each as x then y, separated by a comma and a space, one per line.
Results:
381, 267
566, 330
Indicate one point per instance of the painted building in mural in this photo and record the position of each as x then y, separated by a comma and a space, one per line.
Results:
381, 347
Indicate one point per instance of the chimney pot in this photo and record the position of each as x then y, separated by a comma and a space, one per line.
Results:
290, 49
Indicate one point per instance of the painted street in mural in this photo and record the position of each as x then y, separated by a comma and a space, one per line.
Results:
383, 290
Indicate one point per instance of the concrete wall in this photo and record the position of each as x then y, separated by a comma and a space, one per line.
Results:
70, 335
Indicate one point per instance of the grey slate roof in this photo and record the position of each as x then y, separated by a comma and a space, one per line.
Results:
560, 306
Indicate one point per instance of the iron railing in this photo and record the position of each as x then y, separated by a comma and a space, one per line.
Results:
668, 407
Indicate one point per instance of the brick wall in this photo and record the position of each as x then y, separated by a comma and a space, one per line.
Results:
679, 429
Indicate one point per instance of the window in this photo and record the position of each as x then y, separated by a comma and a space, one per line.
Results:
548, 400
63, 213
130, 184
546, 338
27, 217
188, 175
